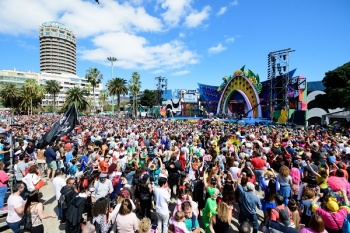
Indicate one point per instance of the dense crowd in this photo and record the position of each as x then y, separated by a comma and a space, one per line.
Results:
127, 175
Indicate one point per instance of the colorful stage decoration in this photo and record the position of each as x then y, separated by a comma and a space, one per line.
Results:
247, 83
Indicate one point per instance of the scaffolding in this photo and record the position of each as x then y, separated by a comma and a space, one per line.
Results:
278, 77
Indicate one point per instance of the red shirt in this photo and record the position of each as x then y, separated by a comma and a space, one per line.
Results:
258, 163
104, 166
182, 161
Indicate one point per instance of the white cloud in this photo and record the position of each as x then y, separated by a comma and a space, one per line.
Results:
85, 18
196, 18
222, 10
230, 40
112, 27
234, 3
135, 52
175, 10
216, 49
180, 73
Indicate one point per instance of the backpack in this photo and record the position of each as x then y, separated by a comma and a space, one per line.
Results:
97, 227
26, 221
285, 209
62, 200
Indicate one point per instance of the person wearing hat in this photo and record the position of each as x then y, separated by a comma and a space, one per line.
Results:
333, 215
282, 225
103, 186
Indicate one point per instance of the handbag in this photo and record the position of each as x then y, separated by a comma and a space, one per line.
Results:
39, 185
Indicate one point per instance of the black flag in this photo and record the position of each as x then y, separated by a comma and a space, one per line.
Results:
61, 127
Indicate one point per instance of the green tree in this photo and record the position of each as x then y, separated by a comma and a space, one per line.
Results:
117, 87
134, 88
149, 98
337, 84
53, 87
103, 98
10, 93
94, 77
77, 96
32, 91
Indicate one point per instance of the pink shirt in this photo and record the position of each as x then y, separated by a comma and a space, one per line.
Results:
308, 230
3, 178
127, 223
331, 219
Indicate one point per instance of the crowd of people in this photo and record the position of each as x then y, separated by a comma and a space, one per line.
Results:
159, 175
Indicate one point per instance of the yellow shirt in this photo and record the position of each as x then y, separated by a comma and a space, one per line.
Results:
322, 182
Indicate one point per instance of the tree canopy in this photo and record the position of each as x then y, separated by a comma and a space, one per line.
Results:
337, 83
149, 98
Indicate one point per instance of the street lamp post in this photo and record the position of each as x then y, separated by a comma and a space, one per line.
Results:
112, 60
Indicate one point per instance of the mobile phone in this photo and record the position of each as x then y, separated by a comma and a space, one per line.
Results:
154, 227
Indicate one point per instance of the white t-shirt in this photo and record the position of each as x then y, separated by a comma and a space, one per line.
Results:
14, 201
102, 189
234, 172
30, 179
161, 197
58, 183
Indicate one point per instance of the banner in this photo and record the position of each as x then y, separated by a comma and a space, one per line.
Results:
61, 127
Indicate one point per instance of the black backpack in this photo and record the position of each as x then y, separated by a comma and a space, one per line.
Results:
26, 222
97, 227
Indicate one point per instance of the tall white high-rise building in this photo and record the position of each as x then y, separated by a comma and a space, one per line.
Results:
57, 49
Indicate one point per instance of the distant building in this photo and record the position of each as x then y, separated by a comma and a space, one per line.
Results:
66, 82
16, 77
57, 49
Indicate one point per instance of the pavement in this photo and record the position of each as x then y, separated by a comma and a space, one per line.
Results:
52, 225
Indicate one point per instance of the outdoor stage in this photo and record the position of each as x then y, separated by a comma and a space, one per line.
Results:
249, 121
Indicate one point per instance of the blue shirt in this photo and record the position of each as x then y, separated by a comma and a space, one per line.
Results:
50, 155
83, 162
188, 223
69, 157
249, 201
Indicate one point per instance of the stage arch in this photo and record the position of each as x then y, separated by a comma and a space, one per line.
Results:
244, 86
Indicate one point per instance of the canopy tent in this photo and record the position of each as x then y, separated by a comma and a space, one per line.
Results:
336, 115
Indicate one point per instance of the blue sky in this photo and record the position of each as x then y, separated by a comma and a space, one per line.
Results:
186, 41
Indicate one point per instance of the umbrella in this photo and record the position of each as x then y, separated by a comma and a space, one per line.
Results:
81, 114
102, 113
91, 114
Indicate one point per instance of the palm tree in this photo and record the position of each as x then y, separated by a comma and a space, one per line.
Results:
103, 98
77, 96
94, 77
53, 87
26, 100
31, 88
134, 88
117, 86
9, 92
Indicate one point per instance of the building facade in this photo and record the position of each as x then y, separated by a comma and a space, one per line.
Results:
66, 81
57, 49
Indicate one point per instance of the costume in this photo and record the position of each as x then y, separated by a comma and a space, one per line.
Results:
209, 209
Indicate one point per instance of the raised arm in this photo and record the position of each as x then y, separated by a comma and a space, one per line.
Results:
346, 199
